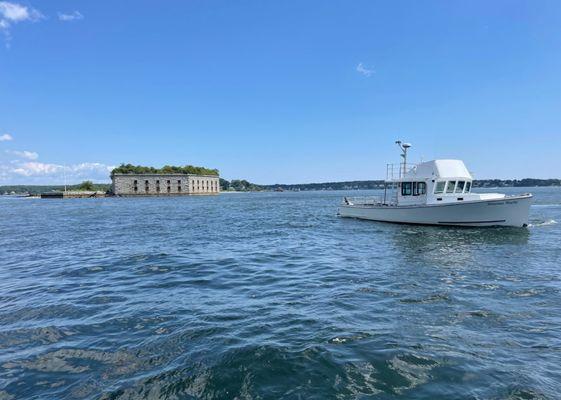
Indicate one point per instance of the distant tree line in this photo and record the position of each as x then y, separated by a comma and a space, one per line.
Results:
347, 185
168, 169
379, 184
241, 185
527, 182
38, 189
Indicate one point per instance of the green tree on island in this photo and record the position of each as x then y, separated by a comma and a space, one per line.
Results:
86, 185
168, 169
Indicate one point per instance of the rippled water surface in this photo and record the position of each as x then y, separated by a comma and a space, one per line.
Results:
272, 296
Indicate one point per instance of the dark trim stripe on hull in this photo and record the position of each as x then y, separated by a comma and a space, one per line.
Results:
472, 222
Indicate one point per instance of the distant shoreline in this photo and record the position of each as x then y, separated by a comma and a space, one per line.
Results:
243, 186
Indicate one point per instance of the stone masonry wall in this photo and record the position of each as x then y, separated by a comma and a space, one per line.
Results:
164, 184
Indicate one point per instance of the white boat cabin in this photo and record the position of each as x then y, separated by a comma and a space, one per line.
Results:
436, 182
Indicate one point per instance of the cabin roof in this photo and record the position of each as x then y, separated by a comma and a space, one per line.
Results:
439, 169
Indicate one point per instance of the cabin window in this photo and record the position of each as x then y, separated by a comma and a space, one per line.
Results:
439, 188
450, 187
468, 187
460, 186
419, 188
406, 189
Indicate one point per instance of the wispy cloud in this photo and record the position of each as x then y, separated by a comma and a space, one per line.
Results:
362, 69
45, 173
6, 137
29, 155
22, 167
73, 16
73, 172
12, 13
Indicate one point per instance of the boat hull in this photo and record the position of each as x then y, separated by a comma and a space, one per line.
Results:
508, 211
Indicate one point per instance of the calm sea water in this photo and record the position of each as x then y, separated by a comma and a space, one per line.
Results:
272, 296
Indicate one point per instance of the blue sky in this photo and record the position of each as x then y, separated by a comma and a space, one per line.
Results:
278, 91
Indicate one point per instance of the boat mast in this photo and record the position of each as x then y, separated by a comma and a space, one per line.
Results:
403, 147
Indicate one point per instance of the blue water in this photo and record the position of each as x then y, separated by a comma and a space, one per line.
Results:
272, 296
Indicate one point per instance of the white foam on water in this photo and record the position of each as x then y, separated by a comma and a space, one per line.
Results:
544, 223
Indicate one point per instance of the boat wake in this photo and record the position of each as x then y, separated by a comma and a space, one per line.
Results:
544, 223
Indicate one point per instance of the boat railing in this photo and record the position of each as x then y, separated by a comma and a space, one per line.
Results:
397, 171
363, 200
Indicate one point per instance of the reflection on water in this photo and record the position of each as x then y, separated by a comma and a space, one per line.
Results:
272, 296
454, 246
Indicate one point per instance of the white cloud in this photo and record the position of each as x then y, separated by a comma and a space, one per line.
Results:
13, 13
73, 16
34, 168
25, 169
73, 172
21, 167
29, 155
6, 137
361, 68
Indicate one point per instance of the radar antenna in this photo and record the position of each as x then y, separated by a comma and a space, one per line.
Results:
403, 147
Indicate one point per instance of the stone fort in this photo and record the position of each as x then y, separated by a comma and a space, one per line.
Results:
161, 184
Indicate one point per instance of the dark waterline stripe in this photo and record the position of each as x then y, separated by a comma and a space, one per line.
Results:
471, 222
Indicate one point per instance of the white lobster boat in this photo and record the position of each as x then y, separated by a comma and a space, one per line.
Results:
437, 192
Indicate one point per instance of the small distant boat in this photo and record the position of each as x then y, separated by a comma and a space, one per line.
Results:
437, 192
